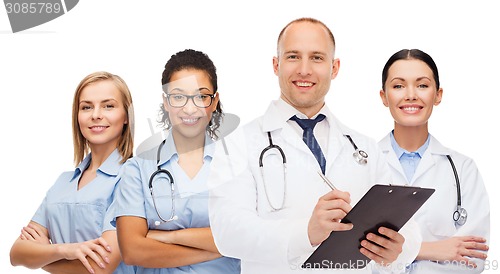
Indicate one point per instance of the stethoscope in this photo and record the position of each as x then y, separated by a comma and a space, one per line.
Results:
173, 217
460, 214
360, 156
261, 165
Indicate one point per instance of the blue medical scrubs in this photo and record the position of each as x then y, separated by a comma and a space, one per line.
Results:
71, 215
133, 198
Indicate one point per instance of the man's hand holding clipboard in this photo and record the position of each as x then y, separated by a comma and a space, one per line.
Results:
329, 211
363, 233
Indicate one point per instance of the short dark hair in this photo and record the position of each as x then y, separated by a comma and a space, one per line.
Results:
191, 59
408, 54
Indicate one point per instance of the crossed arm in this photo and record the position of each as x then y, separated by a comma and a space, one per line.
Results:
469, 242
33, 249
162, 249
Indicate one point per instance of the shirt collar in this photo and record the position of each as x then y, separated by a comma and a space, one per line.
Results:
169, 151
400, 151
111, 165
289, 111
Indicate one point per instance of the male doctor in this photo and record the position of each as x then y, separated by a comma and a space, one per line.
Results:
274, 217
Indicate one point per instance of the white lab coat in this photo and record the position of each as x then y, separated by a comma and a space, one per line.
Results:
435, 218
242, 222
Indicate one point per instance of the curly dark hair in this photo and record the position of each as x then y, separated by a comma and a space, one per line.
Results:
191, 59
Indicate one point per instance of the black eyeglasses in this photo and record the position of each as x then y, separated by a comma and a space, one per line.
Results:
178, 100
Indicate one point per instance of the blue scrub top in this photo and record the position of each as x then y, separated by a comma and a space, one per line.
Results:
133, 198
71, 215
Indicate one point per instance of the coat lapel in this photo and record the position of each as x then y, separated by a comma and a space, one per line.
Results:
337, 143
427, 161
392, 159
273, 120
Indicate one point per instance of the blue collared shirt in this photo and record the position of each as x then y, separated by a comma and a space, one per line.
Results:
76, 215
409, 160
133, 198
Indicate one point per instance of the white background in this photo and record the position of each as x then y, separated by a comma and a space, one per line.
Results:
41, 67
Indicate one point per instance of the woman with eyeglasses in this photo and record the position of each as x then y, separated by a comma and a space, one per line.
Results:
162, 201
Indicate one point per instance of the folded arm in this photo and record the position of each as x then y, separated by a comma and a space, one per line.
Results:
200, 238
469, 244
139, 249
34, 250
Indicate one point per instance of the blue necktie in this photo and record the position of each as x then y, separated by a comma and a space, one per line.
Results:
308, 136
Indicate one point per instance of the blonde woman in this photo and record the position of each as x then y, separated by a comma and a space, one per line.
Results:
71, 232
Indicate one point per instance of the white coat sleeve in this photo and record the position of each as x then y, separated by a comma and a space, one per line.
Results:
237, 228
475, 200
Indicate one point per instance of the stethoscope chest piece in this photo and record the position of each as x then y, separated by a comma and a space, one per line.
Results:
460, 216
360, 156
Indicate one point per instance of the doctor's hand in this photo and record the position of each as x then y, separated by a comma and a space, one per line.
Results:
454, 249
383, 250
328, 212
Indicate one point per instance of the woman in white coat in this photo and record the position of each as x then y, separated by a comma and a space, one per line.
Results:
454, 240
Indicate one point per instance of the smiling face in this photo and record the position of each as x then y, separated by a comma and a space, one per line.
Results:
101, 114
189, 121
410, 92
305, 66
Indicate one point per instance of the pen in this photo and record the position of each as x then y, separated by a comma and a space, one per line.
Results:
326, 180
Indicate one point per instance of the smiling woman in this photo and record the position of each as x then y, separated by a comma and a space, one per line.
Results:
102, 131
40, 68
457, 242
102, 99
171, 178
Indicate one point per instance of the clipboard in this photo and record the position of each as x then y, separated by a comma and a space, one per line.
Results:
383, 205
